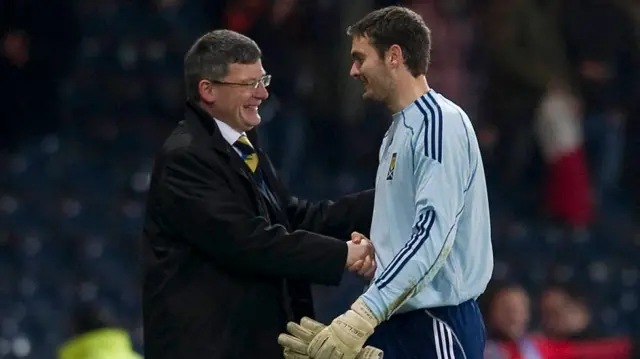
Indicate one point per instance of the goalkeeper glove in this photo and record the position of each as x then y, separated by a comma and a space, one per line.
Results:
345, 336
296, 344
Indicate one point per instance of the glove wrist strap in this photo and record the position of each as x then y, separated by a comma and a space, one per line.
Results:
363, 310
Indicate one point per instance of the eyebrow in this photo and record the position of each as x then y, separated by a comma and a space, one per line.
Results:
357, 55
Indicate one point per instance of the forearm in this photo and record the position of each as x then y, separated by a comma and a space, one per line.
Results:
336, 219
253, 247
204, 213
414, 266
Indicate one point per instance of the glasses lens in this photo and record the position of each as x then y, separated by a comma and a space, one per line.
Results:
266, 80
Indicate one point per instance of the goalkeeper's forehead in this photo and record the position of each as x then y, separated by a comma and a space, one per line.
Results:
361, 46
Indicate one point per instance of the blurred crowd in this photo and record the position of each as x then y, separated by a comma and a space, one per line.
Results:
566, 328
90, 88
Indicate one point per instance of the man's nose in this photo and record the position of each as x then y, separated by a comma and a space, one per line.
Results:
261, 92
354, 72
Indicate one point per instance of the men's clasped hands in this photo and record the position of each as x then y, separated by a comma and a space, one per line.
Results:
344, 338
361, 256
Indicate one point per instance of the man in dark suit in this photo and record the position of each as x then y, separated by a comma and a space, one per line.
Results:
228, 254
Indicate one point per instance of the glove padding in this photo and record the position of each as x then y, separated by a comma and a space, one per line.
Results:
296, 345
342, 339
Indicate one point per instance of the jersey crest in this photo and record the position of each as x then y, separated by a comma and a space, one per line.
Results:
392, 166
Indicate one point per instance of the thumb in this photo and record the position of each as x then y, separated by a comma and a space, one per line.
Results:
356, 237
369, 352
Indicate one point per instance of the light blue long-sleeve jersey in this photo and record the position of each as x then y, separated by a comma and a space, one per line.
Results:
430, 225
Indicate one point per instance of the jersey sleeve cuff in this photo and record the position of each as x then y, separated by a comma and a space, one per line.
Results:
373, 299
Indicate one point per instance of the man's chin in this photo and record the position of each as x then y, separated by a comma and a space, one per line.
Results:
252, 121
370, 96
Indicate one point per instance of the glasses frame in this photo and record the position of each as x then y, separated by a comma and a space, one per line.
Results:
265, 80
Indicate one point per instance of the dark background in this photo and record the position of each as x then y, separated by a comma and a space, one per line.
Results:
89, 89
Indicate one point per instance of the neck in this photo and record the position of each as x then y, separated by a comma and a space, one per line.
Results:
408, 89
214, 114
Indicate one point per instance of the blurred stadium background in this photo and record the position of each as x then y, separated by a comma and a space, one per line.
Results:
89, 89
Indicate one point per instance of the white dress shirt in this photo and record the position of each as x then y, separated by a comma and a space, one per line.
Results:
229, 134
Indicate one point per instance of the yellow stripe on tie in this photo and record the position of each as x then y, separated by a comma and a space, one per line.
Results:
248, 152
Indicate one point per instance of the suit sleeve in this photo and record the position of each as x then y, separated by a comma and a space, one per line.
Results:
336, 219
207, 215
438, 200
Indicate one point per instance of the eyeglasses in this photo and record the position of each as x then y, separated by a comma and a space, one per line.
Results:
264, 80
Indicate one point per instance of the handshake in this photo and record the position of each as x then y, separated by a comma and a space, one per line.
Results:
361, 256
345, 337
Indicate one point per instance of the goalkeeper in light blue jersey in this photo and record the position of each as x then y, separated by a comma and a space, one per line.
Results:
430, 226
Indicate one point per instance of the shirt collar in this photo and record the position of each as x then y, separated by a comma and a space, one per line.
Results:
413, 107
228, 133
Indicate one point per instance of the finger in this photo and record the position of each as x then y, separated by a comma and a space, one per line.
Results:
372, 248
366, 266
300, 332
317, 344
293, 343
370, 352
368, 263
290, 354
328, 350
357, 236
372, 272
311, 325
356, 266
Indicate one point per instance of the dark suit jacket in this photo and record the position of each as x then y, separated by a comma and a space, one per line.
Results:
217, 263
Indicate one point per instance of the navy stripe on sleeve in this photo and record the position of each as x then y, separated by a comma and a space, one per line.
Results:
433, 128
420, 227
440, 124
420, 235
436, 125
425, 118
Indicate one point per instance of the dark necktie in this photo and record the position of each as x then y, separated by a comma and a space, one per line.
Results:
248, 153
250, 157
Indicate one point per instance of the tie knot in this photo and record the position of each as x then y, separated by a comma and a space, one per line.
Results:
244, 145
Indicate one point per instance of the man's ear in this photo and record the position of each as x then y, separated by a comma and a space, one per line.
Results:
207, 91
395, 56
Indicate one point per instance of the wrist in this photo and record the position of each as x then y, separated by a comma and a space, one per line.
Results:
374, 300
350, 258
363, 310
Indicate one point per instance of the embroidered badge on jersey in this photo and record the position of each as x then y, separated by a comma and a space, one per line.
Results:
392, 166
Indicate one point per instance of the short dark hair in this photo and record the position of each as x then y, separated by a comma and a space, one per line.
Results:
210, 57
396, 25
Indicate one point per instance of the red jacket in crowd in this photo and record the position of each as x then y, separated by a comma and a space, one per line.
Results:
537, 347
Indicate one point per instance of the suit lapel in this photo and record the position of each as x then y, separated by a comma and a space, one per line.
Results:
270, 177
269, 174
274, 186
206, 131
